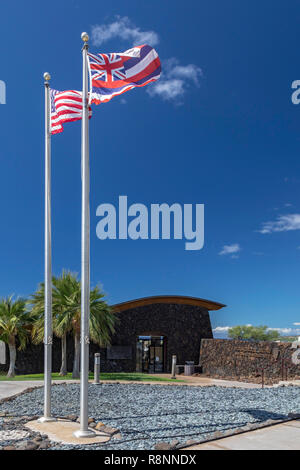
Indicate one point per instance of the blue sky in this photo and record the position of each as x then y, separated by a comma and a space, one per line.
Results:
220, 130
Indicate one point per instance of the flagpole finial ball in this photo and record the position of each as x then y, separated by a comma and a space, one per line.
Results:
85, 37
47, 76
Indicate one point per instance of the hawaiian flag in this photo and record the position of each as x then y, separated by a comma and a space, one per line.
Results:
66, 106
113, 74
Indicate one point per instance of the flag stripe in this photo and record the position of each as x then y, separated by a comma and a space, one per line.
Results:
98, 99
142, 65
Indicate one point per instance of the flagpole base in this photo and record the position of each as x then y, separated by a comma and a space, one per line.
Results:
46, 419
80, 434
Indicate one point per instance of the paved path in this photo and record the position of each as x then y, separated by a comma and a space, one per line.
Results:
284, 436
10, 388
7, 389
205, 382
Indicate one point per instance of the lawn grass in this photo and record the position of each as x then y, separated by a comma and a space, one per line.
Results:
130, 376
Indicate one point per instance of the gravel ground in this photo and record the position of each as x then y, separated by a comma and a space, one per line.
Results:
148, 414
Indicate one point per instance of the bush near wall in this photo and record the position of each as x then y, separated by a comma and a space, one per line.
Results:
234, 358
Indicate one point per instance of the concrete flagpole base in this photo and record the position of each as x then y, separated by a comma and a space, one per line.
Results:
45, 419
68, 432
82, 434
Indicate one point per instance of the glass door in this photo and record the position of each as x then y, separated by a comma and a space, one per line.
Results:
150, 354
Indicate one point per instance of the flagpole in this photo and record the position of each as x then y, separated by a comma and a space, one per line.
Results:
48, 268
85, 250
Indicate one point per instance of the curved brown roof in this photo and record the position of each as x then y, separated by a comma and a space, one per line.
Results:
168, 299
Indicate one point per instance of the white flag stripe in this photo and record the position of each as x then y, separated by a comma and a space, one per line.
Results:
108, 97
68, 93
140, 66
67, 115
62, 107
65, 100
55, 128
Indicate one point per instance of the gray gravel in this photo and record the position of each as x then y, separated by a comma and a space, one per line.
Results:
148, 414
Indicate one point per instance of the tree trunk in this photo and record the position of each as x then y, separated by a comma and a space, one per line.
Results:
63, 368
76, 364
12, 357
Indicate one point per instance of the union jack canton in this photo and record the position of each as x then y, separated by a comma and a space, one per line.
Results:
115, 73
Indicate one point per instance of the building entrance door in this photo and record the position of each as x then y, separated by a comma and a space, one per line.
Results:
150, 354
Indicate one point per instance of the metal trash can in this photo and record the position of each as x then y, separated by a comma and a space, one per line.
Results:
189, 368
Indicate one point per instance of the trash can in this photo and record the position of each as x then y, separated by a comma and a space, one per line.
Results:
189, 368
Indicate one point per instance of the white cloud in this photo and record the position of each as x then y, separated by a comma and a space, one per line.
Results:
296, 324
187, 72
221, 332
221, 329
124, 29
283, 223
230, 250
286, 331
175, 80
167, 89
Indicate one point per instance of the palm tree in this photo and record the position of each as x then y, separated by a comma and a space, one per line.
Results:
66, 306
63, 290
37, 307
15, 324
67, 298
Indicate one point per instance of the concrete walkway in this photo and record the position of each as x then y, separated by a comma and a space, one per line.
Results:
206, 382
288, 382
284, 436
9, 389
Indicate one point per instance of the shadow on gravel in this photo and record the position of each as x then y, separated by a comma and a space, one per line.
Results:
259, 415
263, 415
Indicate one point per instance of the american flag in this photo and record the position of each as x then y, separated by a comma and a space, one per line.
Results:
113, 74
66, 106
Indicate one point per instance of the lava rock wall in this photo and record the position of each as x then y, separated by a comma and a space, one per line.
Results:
233, 358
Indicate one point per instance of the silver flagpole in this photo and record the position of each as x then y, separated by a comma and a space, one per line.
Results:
48, 269
85, 251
